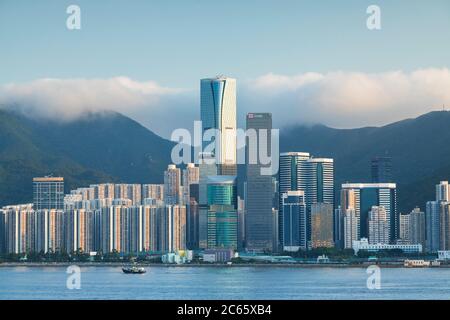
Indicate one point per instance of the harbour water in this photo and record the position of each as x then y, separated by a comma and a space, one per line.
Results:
224, 283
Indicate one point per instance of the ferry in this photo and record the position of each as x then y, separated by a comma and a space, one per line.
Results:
134, 270
416, 263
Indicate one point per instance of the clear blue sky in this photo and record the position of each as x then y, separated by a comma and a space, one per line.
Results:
177, 42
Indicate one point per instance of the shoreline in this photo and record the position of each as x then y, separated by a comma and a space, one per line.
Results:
201, 265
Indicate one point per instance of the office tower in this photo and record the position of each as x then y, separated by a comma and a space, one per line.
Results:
241, 212
378, 226
381, 168
287, 181
275, 195
275, 237
444, 225
405, 229
259, 195
443, 191
191, 178
175, 239
436, 219
350, 223
338, 228
218, 111
48, 193
172, 184
363, 196
207, 168
417, 227
222, 223
314, 176
294, 220
322, 225
432, 223
192, 217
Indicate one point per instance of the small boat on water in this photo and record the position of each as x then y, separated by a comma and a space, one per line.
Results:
134, 270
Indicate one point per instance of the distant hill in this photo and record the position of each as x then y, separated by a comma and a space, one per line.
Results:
420, 151
99, 147
104, 147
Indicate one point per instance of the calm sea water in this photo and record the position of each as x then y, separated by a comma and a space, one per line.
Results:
223, 283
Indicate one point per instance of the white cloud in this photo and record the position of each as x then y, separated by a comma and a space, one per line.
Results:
68, 99
349, 99
339, 99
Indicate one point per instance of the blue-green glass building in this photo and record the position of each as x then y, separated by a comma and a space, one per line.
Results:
222, 226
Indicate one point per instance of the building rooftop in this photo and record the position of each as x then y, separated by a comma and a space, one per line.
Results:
369, 185
48, 179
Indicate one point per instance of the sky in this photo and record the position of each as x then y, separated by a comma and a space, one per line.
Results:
304, 61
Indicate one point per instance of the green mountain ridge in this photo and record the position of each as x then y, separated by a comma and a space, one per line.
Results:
420, 151
99, 147
110, 147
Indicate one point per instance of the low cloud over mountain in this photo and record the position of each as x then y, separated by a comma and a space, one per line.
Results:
338, 99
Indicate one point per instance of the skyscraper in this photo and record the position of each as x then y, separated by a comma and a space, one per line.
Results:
432, 223
294, 220
405, 228
175, 228
322, 225
378, 226
2, 232
350, 223
366, 195
444, 226
207, 168
191, 175
417, 227
80, 230
443, 191
437, 219
259, 193
218, 111
172, 184
48, 193
192, 217
313, 176
288, 181
222, 225
381, 170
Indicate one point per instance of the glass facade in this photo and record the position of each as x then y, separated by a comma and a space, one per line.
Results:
222, 225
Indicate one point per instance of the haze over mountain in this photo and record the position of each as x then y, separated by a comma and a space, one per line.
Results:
420, 151
109, 146
98, 147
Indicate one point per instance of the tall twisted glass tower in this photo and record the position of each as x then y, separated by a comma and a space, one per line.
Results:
218, 111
